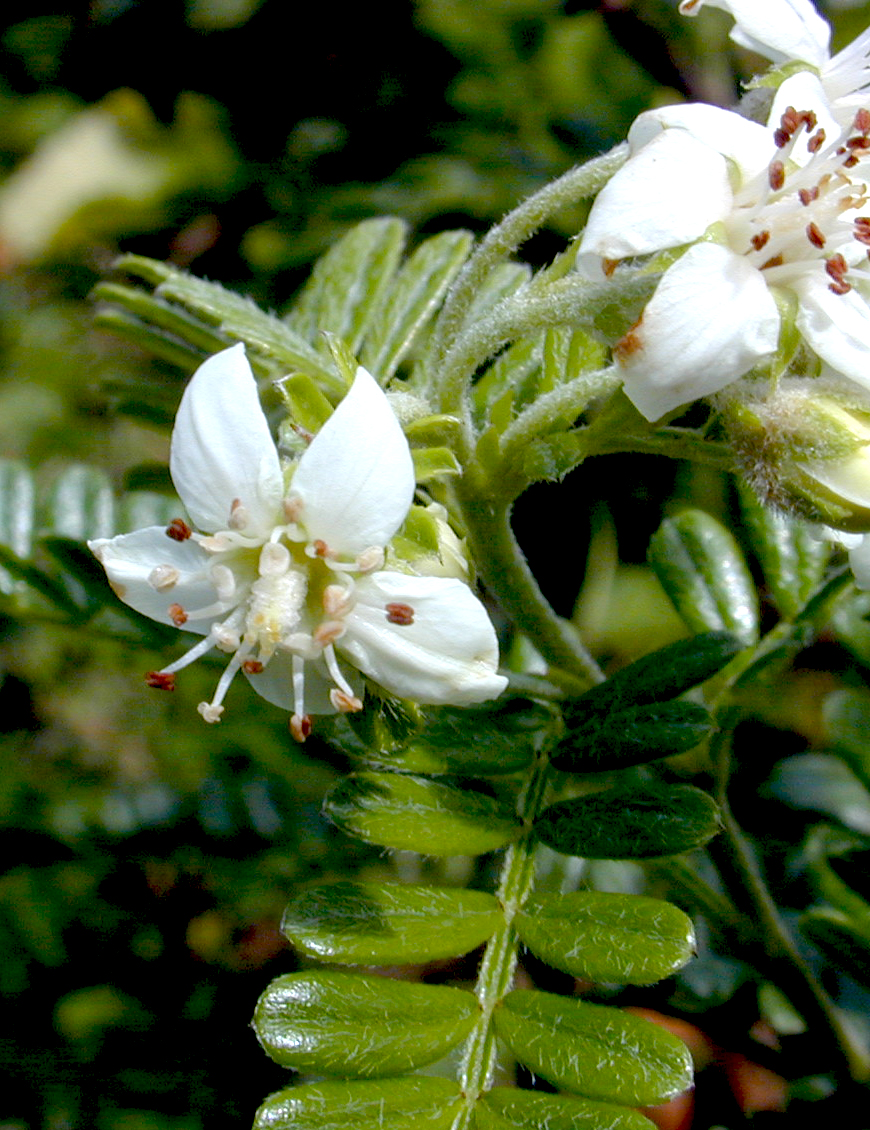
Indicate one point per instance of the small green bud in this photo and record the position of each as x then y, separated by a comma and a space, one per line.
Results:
805, 449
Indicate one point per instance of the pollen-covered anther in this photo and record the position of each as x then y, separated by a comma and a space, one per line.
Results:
292, 507
177, 615
178, 530
862, 230
837, 267
371, 559
815, 236
238, 515
252, 666
344, 703
776, 175
808, 195
760, 239
816, 141
398, 613
319, 548
862, 121
226, 639
630, 344
328, 632
300, 726
608, 266
337, 601
161, 681
163, 577
210, 712
774, 261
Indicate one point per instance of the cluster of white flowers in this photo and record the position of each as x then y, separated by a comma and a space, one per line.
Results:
289, 575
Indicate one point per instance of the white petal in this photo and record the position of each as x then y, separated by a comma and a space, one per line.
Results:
747, 144
859, 559
710, 320
836, 326
448, 655
130, 560
222, 450
779, 30
848, 74
356, 480
275, 684
667, 194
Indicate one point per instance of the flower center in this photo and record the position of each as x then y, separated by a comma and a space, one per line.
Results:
802, 216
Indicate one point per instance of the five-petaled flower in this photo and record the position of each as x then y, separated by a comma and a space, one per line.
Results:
776, 217
289, 576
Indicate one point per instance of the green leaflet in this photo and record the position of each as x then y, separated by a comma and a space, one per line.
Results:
846, 717
382, 923
506, 1108
704, 572
396, 810
599, 1052
629, 939
630, 823
332, 1023
79, 504
631, 737
389, 1104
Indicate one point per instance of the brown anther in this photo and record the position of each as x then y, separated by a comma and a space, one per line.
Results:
808, 195
781, 138
398, 613
630, 344
862, 121
814, 235
776, 175
836, 268
862, 230
608, 266
160, 681
775, 261
839, 287
238, 515
252, 666
760, 239
321, 549
177, 615
300, 726
859, 142
178, 530
789, 121
851, 161
816, 142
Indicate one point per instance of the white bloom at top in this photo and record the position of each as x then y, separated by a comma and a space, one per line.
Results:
288, 578
792, 31
776, 211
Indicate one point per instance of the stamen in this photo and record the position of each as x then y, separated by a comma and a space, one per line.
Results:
162, 680
608, 266
776, 175
398, 613
274, 560
163, 577
298, 690
210, 711
198, 649
328, 632
224, 581
816, 142
629, 344
808, 195
300, 726
760, 239
337, 600
293, 507
371, 559
178, 530
837, 267
335, 672
252, 667
177, 615
814, 235
775, 261
344, 704
238, 515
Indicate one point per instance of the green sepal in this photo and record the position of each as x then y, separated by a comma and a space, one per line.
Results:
823, 844
846, 721
631, 737
703, 571
332, 1023
658, 676
631, 823
844, 942
792, 558
602, 937
592, 1050
434, 463
385, 923
410, 813
436, 430
363, 1104
308, 407
507, 1108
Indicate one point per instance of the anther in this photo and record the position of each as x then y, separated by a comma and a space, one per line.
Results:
370, 559
293, 507
177, 615
836, 268
238, 515
775, 261
321, 549
210, 712
328, 632
816, 142
163, 578
398, 613
178, 530
862, 121
344, 703
862, 230
608, 266
760, 239
274, 560
337, 601
160, 681
808, 195
776, 175
815, 236
630, 344
252, 666
300, 726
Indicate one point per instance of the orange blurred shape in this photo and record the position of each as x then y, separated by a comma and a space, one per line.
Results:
674, 1115
702, 1048
755, 1087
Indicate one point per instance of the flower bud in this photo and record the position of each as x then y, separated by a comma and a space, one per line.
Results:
805, 448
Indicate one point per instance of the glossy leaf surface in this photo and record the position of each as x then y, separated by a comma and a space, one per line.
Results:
381, 923
333, 1023
593, 1050
630, 939
418, 814
630, 823
510, 1109
363, 1104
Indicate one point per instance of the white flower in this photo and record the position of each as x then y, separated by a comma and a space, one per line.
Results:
288, 578
774, 218
792, 31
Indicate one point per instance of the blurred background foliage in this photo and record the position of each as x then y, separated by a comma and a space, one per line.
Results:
146, 857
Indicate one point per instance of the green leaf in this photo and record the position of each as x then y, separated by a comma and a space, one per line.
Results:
506, 1108
434, 463
411, 813
385, 923
79, 504
823, 845
842, 940
333, 1023
631, 737
593, 1050
630, 823
821, 782
660, 675
792, 558
704, 572
413, 297
628, 939
417, 1103
846, 720
349, 283
17, 501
